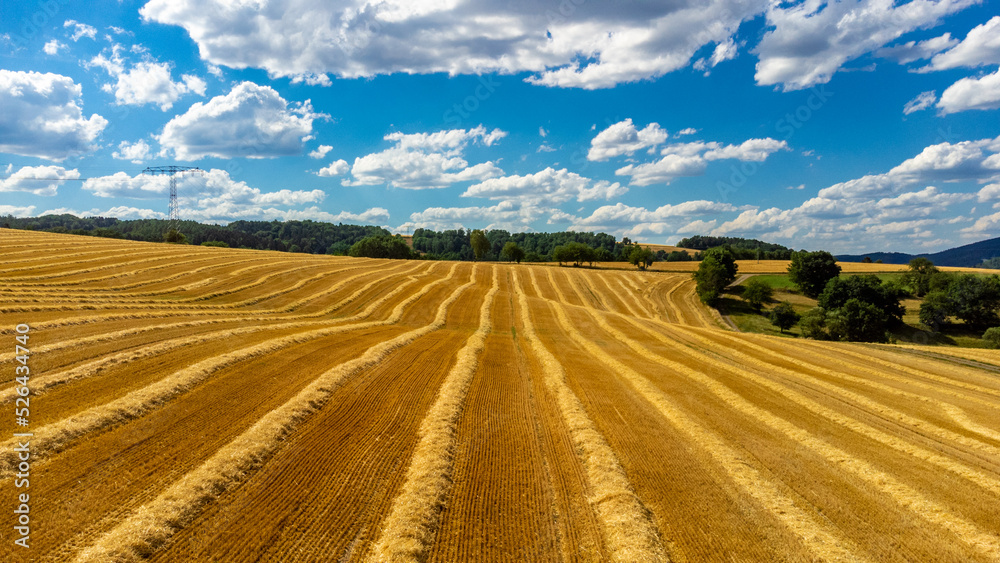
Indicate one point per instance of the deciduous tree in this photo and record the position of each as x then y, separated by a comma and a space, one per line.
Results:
811, 270
717, 270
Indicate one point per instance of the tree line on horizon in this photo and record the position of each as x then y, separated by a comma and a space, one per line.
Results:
315, 237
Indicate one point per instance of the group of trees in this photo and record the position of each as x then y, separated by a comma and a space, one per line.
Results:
457, 244
860, 308
576, 253
866, 308
741, 248
971, 298
381, 246
855, 308
489, 245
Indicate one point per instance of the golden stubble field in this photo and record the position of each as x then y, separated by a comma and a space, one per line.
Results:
206, 404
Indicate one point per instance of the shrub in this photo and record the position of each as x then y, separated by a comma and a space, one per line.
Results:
218, 243
173, 236
991, 338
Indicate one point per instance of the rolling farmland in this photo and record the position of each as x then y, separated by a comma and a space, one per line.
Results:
210, 404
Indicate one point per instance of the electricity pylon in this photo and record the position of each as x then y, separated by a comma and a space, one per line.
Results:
171, 171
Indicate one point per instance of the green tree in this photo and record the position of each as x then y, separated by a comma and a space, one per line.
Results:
480, 244
173, 236
717, 270
574, 252
919, 276
381, 246
756, 292
975, 299
858, 321
941, 280
641, 257
512, 252
935, 310
813, 324
991, 338
868, 289
811, 270
784, 316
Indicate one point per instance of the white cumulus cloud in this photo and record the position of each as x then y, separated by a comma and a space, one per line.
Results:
548, 186
911, 51
52, 47
980, 47
626, 220
336, 168
145, 82
982, 93
80, 30
426, 160
38, 180
213, 195
810, 41
320, 151
923, 101
17, 211
691, 159
510, 215
137, 152
623, 138
943, 162
251, 121
42, 116
567, 44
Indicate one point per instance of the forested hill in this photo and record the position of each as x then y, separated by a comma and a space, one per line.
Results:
969, 255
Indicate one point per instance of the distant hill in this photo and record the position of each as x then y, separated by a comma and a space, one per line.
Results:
968, 256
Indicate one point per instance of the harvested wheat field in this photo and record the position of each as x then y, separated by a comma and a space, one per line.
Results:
210, 404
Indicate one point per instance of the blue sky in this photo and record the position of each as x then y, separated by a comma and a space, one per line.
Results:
854, 126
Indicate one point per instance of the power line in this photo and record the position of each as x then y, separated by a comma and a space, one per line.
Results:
50, 179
